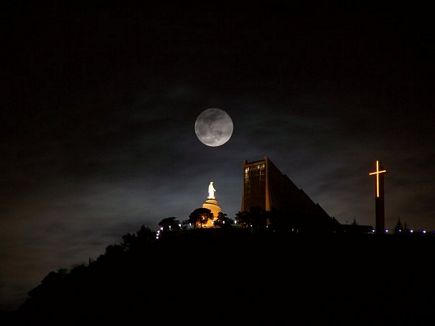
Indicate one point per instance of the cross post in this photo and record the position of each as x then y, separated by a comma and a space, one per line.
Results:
379, 198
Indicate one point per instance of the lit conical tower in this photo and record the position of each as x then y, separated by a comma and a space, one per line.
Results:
212, 204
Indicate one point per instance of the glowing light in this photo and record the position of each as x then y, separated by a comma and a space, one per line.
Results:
424, 231
211, 190
412, 231
386, 230
377, 172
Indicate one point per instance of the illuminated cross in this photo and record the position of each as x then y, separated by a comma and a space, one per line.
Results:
377, 173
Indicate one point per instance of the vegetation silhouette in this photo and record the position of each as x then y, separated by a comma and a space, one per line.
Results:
223, 221
245, 275
200, 216
169, 223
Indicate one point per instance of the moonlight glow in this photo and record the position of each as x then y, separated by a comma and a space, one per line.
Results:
213, 127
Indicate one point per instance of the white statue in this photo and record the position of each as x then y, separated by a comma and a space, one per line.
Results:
211, 190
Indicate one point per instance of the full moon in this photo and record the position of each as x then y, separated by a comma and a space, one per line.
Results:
213, 127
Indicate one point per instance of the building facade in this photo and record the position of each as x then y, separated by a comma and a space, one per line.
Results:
266, 188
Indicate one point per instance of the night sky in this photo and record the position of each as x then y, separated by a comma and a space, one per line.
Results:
99, 105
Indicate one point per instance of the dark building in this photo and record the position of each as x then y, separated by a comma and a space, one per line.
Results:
266, 188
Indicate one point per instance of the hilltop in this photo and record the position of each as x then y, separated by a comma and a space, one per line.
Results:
222, 275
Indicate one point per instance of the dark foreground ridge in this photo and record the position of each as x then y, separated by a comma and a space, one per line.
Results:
237, 276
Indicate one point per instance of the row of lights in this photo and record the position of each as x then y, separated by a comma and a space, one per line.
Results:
159, 231
293, 230
410, 231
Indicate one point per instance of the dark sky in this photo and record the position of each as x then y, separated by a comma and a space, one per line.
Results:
99, 104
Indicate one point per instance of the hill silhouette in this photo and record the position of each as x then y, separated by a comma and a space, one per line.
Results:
234, 275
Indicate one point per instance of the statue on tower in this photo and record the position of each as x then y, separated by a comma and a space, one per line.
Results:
211, 191
212, 204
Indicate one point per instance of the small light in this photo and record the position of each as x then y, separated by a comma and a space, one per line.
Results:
412, 231
424, 231
161, 228
386, 230
373, 231
179, 225
400, 230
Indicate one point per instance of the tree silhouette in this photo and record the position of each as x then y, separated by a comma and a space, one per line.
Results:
223, 221
243, 219
133, 241
256, 218
200, 216
170, 224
